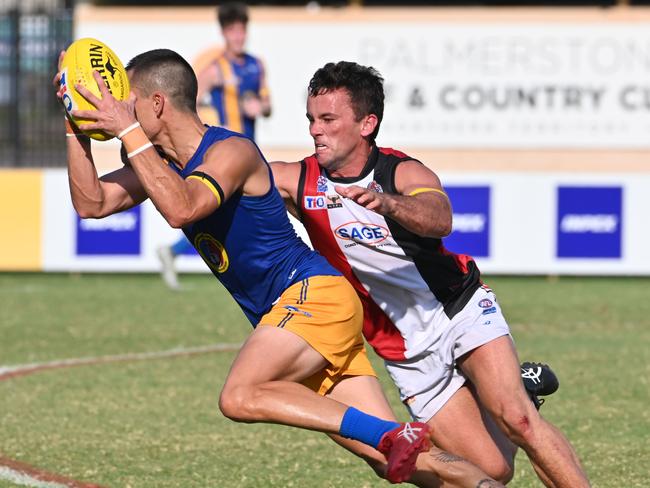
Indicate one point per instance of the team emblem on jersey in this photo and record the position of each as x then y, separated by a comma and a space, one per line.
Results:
212, 252
362, 232
321, 184
485, 303
376, 187
334, 201
317, 202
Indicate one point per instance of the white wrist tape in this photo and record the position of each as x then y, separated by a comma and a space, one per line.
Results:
128, 129
139, 150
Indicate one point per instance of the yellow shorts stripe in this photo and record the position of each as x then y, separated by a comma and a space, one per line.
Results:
326, 312
417, 191
286, 319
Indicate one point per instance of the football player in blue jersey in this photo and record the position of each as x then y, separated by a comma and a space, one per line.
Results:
304, 364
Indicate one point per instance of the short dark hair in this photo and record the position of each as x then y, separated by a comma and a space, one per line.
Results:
364, 84
167, 71
232, 12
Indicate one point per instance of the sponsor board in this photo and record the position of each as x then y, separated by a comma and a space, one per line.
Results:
589, 222
471, 220
117, 234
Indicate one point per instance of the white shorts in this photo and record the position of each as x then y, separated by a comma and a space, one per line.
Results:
427, 381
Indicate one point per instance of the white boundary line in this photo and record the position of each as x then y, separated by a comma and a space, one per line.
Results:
23, 479
19, 369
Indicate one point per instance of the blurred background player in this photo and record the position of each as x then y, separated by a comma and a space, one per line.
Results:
232, 93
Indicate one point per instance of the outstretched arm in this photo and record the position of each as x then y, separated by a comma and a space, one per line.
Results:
420, 206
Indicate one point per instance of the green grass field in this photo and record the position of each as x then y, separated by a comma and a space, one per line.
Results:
156, 423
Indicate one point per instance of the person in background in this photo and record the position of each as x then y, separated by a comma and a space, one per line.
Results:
232, 84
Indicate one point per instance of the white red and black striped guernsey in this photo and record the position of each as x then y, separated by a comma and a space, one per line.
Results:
410, 285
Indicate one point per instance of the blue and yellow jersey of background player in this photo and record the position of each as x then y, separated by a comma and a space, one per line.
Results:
232, 83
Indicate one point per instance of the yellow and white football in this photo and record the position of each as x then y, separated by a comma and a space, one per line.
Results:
82, 58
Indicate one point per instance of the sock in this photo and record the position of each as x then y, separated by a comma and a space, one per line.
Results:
363, 427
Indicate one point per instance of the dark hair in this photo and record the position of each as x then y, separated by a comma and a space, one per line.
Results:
363, 83
232, 12
167, 71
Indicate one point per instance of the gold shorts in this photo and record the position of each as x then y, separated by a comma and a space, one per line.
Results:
326, 312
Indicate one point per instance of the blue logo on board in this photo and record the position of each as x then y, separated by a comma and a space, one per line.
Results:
589, 222
471, 220
117, 234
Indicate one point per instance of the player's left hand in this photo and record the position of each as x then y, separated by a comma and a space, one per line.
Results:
377, 202
112, 116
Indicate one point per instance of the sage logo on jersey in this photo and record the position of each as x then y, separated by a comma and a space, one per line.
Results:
212, 252
471, 220
315, 203
589, 222
362, 232
117, 234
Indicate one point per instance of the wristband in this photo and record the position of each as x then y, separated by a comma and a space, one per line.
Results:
72, 130
128, 129
137, 151
135, 140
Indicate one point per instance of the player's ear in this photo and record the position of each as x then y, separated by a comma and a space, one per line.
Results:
158, 100
368, 124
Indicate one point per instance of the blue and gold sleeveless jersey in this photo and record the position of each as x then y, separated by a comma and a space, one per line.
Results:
249, 243
239, 80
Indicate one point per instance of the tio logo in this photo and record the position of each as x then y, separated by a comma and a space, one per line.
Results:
315, 203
